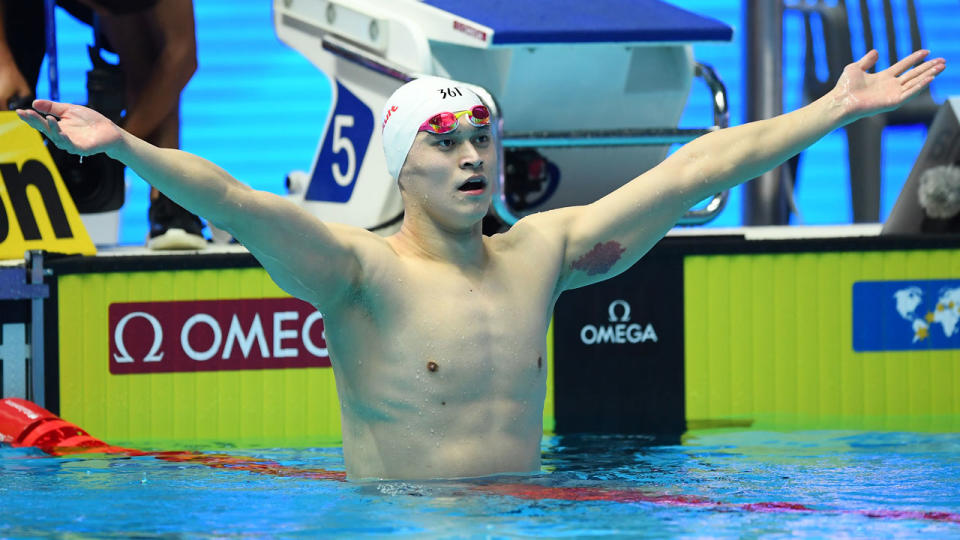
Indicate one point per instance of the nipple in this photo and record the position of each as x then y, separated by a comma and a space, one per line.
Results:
432, 366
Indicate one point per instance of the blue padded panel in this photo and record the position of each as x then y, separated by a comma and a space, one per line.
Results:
586, 21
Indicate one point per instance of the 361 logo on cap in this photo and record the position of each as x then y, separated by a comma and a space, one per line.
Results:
450, 92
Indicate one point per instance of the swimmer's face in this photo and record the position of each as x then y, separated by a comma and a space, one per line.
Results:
450, 176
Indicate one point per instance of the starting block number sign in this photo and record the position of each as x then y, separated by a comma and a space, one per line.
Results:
37, 211
345, 145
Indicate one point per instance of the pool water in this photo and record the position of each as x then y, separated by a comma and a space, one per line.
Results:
714, 484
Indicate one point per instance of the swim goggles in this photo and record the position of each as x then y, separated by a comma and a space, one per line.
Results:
445, 122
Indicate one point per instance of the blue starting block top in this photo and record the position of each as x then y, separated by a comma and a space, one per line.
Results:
586, 21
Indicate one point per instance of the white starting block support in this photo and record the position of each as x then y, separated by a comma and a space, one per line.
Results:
597, 88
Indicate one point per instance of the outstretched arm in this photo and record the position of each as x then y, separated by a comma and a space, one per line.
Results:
606, 237
309, 259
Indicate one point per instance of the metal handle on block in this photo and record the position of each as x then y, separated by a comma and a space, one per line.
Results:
721, 119
627, 137
359, 56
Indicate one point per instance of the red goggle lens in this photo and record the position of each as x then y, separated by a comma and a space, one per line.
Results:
446, 122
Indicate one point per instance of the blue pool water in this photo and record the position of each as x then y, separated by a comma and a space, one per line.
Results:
714, 484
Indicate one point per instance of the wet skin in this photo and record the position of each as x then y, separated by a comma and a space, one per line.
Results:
438, 351
437, 333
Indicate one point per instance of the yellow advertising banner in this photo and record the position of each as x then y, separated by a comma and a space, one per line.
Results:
37, 211
862, 340
260, 372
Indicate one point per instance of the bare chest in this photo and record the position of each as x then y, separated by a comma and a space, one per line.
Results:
447, 336
494, 319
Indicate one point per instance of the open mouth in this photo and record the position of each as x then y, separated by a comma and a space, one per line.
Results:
477, 183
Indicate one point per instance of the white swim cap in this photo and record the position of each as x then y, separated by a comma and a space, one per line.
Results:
411, 105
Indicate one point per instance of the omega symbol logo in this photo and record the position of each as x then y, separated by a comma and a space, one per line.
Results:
154, 355
612, 311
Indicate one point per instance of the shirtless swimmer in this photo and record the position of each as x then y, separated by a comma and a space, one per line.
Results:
437, 333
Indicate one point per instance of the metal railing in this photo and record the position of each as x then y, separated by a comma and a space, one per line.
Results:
621, 137
23, 361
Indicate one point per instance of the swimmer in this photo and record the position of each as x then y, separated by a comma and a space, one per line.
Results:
437, 333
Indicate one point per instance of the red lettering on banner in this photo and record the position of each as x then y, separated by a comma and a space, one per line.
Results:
470, 31
215, 335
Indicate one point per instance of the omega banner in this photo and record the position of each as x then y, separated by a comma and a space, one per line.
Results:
618, 351
215, 335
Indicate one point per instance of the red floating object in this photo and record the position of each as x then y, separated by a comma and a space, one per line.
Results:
26, 424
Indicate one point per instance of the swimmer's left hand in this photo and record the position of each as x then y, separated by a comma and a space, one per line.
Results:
863, 94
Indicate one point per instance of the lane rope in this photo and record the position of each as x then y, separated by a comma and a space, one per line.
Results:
25, 424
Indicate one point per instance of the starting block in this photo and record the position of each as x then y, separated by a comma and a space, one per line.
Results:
588, 94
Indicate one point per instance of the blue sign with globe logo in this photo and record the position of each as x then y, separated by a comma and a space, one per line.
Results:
906, 315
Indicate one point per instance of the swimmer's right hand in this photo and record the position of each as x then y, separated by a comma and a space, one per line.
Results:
76, 129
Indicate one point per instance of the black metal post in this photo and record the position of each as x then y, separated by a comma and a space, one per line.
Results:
53, 72
764, 199
38, 364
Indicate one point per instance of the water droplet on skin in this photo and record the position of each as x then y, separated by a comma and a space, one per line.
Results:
432, 430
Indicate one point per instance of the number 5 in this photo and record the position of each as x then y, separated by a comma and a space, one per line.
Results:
343, 143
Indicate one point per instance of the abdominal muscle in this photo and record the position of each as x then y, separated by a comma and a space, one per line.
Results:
454, 408
467, 440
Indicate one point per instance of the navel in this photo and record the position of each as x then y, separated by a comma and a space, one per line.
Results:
539, 362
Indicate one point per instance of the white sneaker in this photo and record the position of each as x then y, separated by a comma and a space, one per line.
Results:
176, 239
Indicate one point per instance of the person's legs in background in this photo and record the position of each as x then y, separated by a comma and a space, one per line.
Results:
22, 46
157, 51
155, 42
